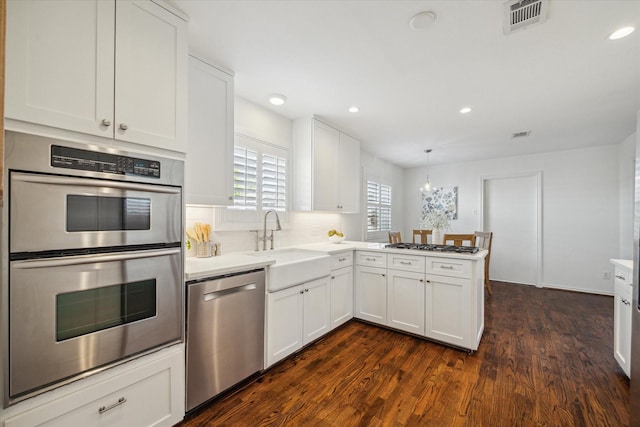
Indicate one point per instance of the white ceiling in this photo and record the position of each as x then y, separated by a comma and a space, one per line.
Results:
563, 79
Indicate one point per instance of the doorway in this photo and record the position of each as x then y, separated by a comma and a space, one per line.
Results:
512, 210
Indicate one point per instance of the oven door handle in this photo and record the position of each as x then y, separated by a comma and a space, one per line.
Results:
91, 259
84, 182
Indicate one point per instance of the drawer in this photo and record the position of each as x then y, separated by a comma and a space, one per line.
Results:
343, 259
406, 262
449, 267
373, 259
623, 289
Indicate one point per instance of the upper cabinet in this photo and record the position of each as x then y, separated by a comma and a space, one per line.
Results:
327, 168
116, 69
209, 161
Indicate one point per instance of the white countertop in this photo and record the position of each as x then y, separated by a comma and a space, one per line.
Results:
624, 263
235, 262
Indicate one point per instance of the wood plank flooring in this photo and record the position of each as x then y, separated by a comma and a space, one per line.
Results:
545, 359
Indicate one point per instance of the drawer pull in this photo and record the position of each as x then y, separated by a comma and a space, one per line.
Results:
370, 259
447, 267
342, 259
104, 409
621, 277
625, 301
405, 262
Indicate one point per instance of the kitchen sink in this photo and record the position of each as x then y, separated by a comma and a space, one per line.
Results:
293, 266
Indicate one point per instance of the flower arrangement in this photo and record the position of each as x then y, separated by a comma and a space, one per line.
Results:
436, 220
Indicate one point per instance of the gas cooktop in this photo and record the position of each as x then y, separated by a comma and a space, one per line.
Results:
434, 248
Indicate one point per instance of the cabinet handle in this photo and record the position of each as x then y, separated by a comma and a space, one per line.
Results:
124, 126
625, 301
421, 280
306, 290
106, 122
447, 267
370, 259
620, 276
302, 291
384, 275
341, 259
405, 262
333, 277
103, 409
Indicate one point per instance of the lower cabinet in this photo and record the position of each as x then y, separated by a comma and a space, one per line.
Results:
341, 296
371, 294
448, 310
405, 301
622, 319
139, 394
295, 317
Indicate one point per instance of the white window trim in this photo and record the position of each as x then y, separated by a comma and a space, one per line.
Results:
381, 235
230, 218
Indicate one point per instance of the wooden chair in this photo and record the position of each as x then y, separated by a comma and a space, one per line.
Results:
424, 234
459, 239
483, 240
394, 237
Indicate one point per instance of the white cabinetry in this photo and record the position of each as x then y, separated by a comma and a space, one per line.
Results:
448, 310
209, 160
295, 317
326, 168
147, 391
105, 68
622, 317
405, 293
341, 288
371, 287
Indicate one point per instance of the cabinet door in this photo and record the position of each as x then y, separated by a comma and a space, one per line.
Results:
316, 321
60, 65
349, 174
284, 323
326, 142
448, 310
209, 161
371, 294
341, 296
622, 328
405, 301
151, 76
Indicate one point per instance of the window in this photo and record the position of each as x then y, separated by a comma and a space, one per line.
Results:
379, 198
259, 179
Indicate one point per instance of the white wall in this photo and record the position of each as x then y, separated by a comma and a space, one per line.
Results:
581, 221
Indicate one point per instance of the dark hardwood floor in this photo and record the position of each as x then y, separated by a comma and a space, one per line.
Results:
545, 359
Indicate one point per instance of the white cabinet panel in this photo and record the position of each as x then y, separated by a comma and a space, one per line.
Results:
341, 296
622, 319
60, 64
326, 142
209, 160
349, 174
406, 262
316, 321
371, 294
371, 259
284, 323
405, 301
448, 313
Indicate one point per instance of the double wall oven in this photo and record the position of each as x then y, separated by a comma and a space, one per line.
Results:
95, 270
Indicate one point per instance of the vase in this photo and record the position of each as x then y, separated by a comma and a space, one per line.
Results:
436, 238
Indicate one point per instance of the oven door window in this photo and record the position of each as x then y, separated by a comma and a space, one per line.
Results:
84, 312
100, 213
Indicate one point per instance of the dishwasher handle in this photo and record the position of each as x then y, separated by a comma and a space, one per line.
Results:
219, 294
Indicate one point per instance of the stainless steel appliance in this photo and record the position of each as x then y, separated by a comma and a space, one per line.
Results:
434, 248
225, 333
95, 270
635, 316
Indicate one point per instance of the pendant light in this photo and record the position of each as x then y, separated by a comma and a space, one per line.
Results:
427, 185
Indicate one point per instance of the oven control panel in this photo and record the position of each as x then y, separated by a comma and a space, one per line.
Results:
95, 161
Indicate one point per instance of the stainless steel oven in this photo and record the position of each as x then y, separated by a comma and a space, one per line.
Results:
95, 266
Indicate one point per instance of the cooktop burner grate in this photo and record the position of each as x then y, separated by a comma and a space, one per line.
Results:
434, 248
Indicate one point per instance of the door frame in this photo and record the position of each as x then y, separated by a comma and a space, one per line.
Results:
538, 176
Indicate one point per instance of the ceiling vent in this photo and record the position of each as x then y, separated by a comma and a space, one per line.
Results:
520, 14
521, 134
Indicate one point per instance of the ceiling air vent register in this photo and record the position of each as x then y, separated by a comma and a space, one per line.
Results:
520, 14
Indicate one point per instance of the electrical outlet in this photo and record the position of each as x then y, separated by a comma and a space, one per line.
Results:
606, 275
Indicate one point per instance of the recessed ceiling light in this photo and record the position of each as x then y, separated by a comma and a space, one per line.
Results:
354, 109
277, 99
422, 21
465, 110
620, 33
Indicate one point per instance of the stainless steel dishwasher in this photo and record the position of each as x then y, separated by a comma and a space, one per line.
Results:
225, 333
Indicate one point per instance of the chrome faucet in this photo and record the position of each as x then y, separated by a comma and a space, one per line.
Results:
264, 237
